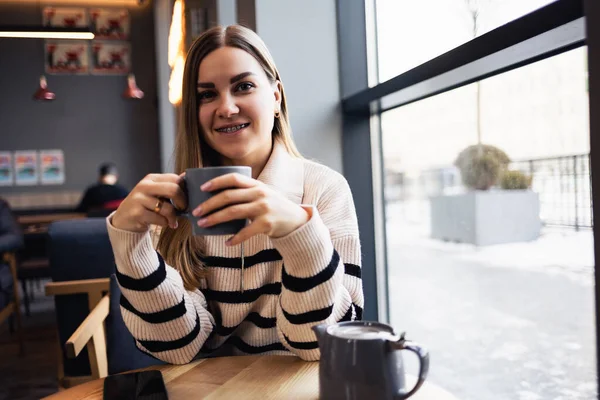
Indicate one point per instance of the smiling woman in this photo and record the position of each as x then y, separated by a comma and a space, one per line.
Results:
303, 263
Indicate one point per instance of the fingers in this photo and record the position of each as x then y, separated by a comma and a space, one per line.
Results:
152, 218
238, 211
166, 209
166, 186
257, 227
136, 212
173, 178
229, 197
140, 219
229, 181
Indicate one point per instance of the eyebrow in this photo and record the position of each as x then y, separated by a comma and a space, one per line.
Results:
238, 77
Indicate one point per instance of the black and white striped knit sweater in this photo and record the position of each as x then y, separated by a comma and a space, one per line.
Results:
292, 283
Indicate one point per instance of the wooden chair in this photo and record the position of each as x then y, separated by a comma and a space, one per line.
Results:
81, 261
110, 346
90, 333
14, 306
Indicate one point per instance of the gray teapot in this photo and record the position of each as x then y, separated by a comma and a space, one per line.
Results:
361, 360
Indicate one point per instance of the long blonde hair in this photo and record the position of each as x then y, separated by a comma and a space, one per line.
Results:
179, 247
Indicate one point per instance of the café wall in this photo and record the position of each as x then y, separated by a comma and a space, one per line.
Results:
302, 37
88, 120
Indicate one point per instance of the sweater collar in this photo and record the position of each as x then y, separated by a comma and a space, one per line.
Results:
285, 173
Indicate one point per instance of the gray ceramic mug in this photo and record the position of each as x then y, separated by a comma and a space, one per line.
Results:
196, 177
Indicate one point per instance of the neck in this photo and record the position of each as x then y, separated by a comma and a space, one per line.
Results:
255, 161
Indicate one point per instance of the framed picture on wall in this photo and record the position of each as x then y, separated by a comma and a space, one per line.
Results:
6, 168
60, 17
110, 23
52, 167
110, 58
26, 168
67, 57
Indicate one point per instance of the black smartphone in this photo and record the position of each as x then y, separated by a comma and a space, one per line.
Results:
147, 385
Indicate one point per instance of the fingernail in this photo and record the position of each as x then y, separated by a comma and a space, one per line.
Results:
202, 222
176, 224
228, 242
197, 212
206, 186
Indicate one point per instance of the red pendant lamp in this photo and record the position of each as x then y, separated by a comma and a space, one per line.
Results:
43, 94
132, 92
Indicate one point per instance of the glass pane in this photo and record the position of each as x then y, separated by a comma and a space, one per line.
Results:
497, 283
411, 32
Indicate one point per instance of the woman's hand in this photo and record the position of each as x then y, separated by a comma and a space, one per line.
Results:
243, 197
148, 204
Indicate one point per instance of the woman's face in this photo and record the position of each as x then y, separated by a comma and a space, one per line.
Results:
237, 104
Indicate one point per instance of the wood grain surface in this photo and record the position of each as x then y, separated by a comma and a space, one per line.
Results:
250, 377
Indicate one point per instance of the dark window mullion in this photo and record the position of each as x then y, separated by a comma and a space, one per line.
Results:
546, 45
592, 11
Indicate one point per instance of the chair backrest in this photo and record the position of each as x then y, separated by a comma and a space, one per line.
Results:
122, 352
78, 249
6, 286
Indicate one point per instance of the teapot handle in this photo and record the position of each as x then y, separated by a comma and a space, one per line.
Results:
423, 356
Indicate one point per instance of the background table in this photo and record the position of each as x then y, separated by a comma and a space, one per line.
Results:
251, 377
33, 264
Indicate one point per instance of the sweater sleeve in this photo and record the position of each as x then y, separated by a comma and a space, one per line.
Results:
321, 275
167, 321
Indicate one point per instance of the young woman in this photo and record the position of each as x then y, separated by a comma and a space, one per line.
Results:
301, 252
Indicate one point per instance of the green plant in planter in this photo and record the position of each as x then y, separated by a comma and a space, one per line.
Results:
515, 180
481, 166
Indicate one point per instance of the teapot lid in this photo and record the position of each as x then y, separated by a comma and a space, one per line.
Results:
362, 331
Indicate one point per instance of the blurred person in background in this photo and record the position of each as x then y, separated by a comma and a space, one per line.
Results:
106, 195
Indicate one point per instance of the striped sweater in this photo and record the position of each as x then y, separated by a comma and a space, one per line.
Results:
309, 277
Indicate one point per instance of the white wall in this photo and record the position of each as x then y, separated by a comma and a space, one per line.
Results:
166, 112
302, 37
226, 12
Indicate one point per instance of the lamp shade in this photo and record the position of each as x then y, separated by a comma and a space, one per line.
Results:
132, 91
42, 93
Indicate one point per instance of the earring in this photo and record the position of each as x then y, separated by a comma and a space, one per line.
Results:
277, 114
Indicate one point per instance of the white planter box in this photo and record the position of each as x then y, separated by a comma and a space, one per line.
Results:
486, 217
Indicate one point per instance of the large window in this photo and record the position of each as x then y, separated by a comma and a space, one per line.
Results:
470, 163
411, 32
506, 308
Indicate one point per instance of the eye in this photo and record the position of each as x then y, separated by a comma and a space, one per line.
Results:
244, 87
205, 96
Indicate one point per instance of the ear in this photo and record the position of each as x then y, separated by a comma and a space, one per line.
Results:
277, 90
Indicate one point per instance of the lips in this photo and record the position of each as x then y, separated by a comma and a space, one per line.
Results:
232, 128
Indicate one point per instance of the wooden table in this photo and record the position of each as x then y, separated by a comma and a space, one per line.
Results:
38, 223
48, 218
251, 377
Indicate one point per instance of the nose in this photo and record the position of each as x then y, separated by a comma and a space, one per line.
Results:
227, 107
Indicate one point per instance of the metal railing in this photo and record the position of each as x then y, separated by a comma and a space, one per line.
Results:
564, 186
562, 183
